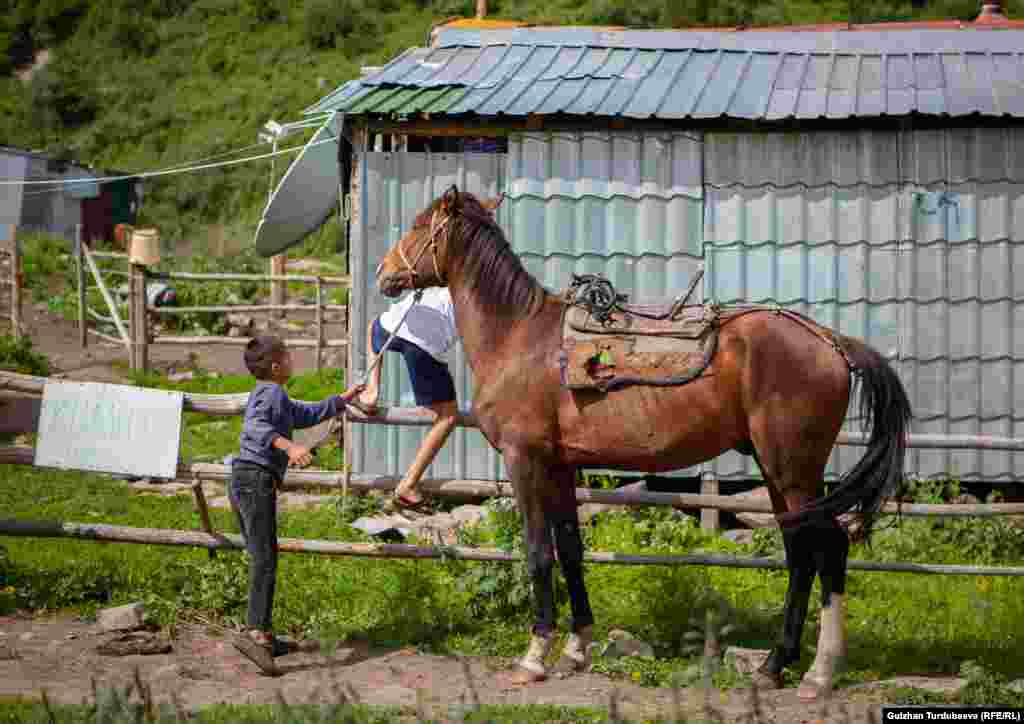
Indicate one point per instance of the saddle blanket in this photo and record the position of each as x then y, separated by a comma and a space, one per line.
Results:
631, 349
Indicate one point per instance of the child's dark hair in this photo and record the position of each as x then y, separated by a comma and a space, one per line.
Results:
261, 353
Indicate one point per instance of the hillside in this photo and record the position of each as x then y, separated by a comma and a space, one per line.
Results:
136, 85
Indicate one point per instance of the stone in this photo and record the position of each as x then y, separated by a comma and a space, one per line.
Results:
220, 502
469, 514
122, 618
380, 525
236, 332
622, 644
742, 536
135, 643
745, 661
181, 376
966, 499
241, 321
1016, 685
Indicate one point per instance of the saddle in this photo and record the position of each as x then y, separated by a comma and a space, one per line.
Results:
607, 343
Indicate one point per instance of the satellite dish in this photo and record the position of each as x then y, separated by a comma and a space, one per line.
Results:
305, 197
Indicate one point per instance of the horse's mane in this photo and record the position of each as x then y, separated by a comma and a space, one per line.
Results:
496, 276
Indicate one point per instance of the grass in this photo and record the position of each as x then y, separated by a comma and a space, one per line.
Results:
898, 623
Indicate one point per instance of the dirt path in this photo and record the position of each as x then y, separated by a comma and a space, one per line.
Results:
60, 655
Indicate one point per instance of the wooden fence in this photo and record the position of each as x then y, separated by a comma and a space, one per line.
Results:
139, 334
12, 280
207, 537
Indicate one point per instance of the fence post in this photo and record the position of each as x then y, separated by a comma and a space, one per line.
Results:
278, 289
83, 336
319, 323
17, 278
709, 517
139, 327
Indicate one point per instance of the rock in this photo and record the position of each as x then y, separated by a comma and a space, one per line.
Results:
745, 661
1016, 685
740, 535
122, 618
382, 525
135, 643
181, 376
469, 514
240, 321
236, 332
221, 502
622, 644
966, 499
27, 636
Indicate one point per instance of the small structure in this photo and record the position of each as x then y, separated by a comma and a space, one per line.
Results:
870, 176
59, 207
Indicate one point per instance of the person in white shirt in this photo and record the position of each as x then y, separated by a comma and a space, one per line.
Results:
423, 340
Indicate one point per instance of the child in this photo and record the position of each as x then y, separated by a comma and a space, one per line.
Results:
266, 451
423, 338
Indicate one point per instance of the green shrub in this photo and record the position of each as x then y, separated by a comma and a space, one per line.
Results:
18, 356
327, 20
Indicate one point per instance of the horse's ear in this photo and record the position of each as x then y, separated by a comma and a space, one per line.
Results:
493, 204
451, 202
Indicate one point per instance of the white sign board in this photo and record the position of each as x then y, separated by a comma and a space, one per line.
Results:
110, 429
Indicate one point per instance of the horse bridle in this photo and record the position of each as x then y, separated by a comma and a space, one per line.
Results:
436, 227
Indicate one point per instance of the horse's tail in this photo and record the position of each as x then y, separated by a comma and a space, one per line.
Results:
878, 475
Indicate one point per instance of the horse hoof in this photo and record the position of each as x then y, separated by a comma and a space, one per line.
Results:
525, 677
766, 681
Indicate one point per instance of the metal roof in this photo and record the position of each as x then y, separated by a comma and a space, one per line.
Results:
766, 75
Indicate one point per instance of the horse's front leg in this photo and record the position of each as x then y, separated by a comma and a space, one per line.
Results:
565, 529
530, 480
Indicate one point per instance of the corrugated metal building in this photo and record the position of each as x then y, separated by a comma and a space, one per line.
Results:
58, 209
871, 178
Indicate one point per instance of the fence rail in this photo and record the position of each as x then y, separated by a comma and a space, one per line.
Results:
139, 335
314, 478
220, 541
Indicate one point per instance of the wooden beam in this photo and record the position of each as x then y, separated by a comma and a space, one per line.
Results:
198, 539
298, 479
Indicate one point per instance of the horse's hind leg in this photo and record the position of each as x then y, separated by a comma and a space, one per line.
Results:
830, 553
801, 565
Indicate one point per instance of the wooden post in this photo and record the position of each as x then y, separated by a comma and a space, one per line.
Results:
83, 336
17, 279
278, 289
709, 517
319, 324
139, 326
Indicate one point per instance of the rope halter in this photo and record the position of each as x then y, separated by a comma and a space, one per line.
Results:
437, 225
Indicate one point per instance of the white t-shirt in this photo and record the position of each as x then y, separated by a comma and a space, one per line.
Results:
430, 324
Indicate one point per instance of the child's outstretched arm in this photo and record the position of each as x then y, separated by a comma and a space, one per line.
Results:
306, 415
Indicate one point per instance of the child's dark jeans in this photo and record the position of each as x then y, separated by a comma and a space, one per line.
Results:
254, 500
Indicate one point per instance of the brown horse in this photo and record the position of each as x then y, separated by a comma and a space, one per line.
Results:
777, 388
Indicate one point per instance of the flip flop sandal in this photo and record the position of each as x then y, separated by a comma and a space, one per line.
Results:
416, 506
260, 654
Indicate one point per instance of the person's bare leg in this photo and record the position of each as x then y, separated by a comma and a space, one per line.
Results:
368, 397
444, 423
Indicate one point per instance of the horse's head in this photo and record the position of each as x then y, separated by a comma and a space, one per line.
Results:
421, 258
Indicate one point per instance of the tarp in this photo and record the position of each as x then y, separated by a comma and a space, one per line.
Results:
306, 195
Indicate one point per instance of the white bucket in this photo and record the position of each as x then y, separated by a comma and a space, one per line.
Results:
145, 247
